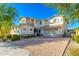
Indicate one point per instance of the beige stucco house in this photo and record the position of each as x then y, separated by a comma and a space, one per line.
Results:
51, 27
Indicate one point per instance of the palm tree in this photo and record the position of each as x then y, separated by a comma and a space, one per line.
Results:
70, 10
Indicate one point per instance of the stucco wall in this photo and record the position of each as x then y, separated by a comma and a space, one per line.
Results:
53, 33
56, 21
27, 30
15, 31
49, 33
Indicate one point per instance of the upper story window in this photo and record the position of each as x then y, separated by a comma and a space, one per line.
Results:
54, 20
40, 22
24, 29
23, 20
36, 22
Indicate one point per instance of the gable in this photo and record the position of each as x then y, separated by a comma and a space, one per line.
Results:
58, 19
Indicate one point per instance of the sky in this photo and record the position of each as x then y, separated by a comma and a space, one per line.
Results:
37, 11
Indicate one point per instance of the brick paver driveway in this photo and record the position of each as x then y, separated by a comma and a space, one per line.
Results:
46, 46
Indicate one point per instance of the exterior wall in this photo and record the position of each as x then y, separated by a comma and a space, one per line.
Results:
46, 23
23, 20
49, 33
27, 20
56, 20
52, 22
27, 30
53, 33
31, 21
15, 31
38, 23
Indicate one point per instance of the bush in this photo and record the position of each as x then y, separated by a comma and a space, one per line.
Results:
1, 36
72, 37
27, 36
73, 51
15, 37
9, 36
75, 38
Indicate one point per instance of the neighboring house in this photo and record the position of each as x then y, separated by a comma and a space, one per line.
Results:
14, 31
51, 27
76, 31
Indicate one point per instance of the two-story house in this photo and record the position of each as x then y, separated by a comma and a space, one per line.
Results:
51, 27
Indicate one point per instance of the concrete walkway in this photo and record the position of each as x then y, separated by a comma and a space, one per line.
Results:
46, 46
13, 49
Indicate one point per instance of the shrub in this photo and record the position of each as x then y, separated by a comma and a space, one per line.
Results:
9, 36
73, 51
72, 37
15, 37
75, 38
33, 36
1, 36
27, 36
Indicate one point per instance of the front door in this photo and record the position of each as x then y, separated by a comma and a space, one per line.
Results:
37, 31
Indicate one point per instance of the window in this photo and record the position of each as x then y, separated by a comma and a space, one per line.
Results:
17, 31
40, 22
54, 20
30, 29
36, 22
39, 31
24, 29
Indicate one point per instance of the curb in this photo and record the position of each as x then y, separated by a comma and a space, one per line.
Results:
66, 47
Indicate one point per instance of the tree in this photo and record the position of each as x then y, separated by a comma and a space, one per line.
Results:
70, 10
7, 15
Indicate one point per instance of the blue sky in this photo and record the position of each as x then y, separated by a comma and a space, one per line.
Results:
36, 10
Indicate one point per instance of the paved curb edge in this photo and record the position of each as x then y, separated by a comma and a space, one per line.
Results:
66, 47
